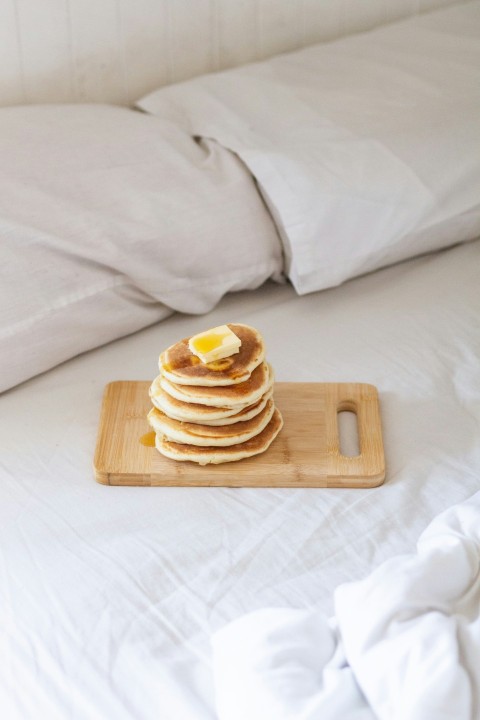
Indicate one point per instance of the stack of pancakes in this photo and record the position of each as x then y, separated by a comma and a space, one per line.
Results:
218, 411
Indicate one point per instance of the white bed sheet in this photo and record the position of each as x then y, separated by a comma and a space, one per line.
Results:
109, 596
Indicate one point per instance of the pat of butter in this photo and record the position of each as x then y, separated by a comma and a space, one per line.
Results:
215, 344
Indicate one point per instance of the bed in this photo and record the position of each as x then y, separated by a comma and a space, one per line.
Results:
142, 603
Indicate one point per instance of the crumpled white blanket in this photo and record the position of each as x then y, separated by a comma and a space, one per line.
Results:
404, 643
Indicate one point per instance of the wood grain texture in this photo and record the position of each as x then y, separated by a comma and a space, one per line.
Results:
306, 453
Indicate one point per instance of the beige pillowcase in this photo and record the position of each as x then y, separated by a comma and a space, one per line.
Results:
367, 149
109, 221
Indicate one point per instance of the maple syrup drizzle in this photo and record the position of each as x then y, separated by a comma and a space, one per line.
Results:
183, 363
148, 439
219, 365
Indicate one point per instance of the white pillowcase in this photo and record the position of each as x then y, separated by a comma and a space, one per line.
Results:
367, 149
110, 220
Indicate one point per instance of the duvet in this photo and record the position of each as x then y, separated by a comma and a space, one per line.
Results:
403, 643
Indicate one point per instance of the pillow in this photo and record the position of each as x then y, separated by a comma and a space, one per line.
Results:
109, 221
366, 149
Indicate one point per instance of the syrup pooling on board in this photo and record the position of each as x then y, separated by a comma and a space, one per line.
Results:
148, 439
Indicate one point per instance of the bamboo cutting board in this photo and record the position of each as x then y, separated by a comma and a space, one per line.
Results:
306, 453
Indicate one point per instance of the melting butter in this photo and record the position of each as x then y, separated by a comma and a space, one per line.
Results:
215, 344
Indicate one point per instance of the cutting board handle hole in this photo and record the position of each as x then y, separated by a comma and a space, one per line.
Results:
348, 440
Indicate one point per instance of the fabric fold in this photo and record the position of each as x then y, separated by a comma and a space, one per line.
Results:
404, 643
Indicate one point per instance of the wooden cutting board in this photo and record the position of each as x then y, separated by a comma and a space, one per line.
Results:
306, 453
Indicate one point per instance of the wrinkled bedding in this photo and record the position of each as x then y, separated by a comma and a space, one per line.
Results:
109, 596
404, 642
110, 220
365, 149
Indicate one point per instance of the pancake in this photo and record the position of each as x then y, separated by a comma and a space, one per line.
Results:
180, 366
246, 414
219, 411
215, 455
230, 396
203, 414
207, 435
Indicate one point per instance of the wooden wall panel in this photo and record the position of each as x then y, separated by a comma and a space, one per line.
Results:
115, 51
12, 90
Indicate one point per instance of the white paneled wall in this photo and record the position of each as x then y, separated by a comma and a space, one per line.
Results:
117, 50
